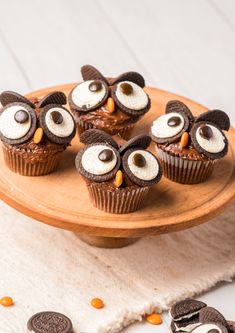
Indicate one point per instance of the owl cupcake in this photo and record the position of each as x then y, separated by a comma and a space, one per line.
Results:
118, 177
112, 105
34, 133
187, 146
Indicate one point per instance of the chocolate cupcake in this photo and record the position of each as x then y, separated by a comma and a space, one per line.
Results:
118, 177
187, 146
112, 105
34, 133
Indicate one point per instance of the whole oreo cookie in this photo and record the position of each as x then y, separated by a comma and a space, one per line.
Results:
49, 322
178, 106
211, 315
139, 141
97, 136
217, 117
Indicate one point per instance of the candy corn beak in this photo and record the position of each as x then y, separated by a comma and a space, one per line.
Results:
38, 134
184, 140
110, 105
119, 178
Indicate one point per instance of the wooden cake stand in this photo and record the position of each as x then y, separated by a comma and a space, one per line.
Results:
61, 199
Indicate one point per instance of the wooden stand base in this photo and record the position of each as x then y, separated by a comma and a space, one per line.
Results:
107, 242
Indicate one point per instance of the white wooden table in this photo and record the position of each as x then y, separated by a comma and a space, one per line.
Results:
184, 46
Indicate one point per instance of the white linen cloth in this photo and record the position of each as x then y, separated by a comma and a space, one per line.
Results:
44, 268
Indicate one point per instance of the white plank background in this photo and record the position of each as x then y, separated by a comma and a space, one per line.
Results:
185, 46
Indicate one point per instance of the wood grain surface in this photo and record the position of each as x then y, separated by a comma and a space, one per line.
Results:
61, 199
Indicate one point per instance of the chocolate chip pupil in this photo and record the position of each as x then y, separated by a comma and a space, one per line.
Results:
213, 331
21, 116
139, 160
57, 117
126, 88
174, 121
206, 132
95, 86
106, 155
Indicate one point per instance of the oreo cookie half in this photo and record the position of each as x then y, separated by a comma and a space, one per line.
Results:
211, 315
8, 97
130, 76
141, 141
45, 322
178, 106
186, 309
97, 136
217, 117
56, 97
91, 73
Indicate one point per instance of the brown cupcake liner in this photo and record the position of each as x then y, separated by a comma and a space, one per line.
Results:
185, 171
17, 163
119, 201
124, 132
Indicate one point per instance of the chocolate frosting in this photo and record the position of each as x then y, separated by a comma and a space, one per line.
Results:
34, 153
189, 153
103, 119
110, 185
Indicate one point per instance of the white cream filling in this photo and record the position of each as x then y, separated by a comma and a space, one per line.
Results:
64, 129
160, 129
82, 95
186, 316
215, 144
204, 328
9, 127
137, 100
149, 171
92, 164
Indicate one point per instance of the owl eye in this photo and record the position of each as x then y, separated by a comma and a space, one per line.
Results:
57, 123
17, 123
142, 167
209, 139
98, 162
169, 126
132, 97
88, 95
